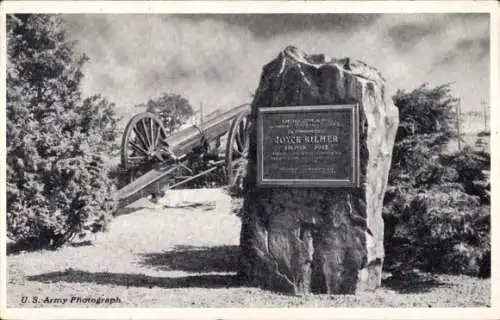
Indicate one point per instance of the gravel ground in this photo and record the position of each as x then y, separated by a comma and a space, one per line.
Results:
182, 252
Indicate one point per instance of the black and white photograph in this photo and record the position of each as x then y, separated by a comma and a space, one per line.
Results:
203, 155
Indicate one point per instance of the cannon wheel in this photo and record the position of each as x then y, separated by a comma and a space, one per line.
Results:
143, 141
238, 144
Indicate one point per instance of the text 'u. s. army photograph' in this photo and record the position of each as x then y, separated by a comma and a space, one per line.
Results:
281, 158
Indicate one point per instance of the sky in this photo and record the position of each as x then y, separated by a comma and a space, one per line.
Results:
216, 60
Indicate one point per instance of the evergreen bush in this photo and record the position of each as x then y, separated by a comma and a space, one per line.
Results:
436, 207
57, 184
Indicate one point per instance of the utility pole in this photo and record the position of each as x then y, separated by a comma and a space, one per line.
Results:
458, 125
201, 114
485, 113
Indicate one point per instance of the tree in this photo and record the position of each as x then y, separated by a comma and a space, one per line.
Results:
57, 185
172, 109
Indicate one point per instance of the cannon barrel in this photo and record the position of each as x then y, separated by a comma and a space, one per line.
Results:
184, 141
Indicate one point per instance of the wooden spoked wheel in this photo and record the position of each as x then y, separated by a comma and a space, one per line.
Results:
143, 142
237, 147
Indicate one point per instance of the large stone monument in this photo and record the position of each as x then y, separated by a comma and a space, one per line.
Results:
323, 231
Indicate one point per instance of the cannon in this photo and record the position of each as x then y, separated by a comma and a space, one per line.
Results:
155, 160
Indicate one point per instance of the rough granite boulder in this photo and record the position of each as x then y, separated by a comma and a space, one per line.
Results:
319, 240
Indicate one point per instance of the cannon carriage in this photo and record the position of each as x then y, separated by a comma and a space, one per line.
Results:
155, 160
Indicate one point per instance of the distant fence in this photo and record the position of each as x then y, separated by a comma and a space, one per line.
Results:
471, 123
481, 119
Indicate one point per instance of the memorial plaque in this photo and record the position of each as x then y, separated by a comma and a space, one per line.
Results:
308, 146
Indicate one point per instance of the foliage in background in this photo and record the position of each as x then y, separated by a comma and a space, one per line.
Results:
437, 203
57, 185
172, 109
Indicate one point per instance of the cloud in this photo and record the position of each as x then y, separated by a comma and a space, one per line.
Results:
407, 35
480, 47
217, 59
263, 26
475, 49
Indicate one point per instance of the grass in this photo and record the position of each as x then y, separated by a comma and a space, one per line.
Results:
182, 252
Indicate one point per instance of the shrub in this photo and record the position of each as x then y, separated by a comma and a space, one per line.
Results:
472, 167
427, 122
442, 232
436, 207
57, 185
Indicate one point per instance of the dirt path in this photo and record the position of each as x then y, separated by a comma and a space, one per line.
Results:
182, 252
